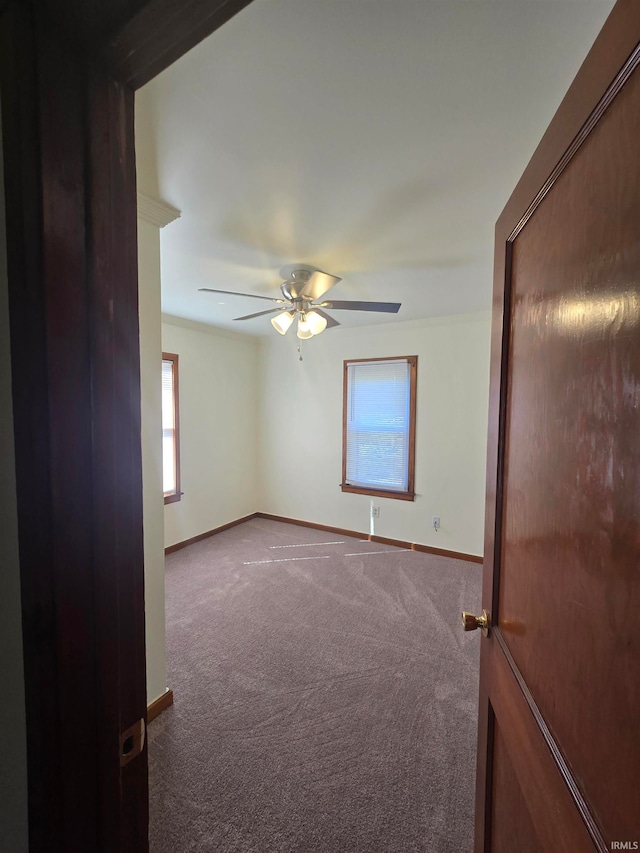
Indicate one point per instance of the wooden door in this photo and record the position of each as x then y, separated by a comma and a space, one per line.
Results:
559, 735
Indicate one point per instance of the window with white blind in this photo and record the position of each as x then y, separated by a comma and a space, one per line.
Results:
379, 414
170, 429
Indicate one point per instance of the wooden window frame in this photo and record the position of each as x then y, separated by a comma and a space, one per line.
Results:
176, 494
409, 494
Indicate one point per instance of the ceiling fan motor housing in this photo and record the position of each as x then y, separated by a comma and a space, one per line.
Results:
291, 289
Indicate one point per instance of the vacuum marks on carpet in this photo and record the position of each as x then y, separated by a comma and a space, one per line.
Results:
323, 702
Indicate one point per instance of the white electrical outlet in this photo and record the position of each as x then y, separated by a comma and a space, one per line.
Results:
375, 512
436, 522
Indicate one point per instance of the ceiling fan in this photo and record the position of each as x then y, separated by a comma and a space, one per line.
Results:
301, 290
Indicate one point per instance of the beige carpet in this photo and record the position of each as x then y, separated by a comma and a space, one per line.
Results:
325, 697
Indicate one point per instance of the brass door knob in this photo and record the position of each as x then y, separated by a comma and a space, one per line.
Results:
471, 622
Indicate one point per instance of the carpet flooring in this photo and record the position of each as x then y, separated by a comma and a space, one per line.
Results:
325, 697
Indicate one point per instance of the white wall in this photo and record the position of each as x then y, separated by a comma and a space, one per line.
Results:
152, 500
13, 766
301, 429
218, 427
151, 401
146, 143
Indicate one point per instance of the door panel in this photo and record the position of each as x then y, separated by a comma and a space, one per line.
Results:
512, 829
559, 742
553, 805
571, 540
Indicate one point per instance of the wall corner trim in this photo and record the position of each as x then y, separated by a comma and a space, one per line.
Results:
384, 540
155, 211
328, 528
159, 705
178, 546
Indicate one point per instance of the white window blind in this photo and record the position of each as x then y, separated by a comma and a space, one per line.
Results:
378, 397
168, 429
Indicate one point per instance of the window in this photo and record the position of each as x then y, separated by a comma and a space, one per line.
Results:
379, 427
170, 429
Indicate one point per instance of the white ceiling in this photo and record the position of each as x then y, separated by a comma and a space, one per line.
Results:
375, 139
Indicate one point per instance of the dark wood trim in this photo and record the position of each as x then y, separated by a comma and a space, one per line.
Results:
377, 493
28, 330
409, 495
159, 705
382, 358
443, 552
162, 32
170, 549
172, 497
72, 270
413, 401
505, 326
70, 378
398, 543
119, 606
341, 531
344, 424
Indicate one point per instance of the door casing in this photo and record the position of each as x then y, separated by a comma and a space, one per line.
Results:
68, 73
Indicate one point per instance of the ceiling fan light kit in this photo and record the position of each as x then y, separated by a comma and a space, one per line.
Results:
303, 331
315, 322
303, 286
282, 322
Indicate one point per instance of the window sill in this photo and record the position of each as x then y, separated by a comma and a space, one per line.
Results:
377, 493
172, 498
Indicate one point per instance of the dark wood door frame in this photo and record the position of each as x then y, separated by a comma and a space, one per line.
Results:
68, 72
611, 60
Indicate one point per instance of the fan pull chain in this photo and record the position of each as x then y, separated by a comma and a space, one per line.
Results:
299, 350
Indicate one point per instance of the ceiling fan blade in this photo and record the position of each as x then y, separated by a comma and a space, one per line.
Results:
235, 293
317, 284
330, 321
259, 314
385, 307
